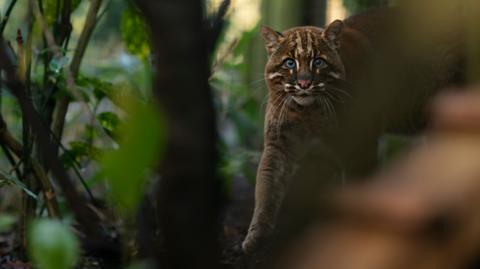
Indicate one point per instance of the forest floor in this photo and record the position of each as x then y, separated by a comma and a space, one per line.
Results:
236, 218
235, 224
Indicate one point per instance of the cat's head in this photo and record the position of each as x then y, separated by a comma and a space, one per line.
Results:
304, 61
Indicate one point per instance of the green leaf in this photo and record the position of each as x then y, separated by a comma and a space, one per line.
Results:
141, 140
109, 122
50, 9
100, 87
77, 151
52, 245
6, 222
135, 33
57, 64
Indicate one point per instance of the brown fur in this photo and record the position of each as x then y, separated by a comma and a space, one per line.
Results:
296, 117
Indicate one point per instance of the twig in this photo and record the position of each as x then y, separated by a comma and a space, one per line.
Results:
85, 217
76, 166
53, 46
7, 140
5, 18
62, 106
11, 160
104, 11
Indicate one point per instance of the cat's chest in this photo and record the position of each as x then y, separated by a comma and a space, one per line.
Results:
312, 122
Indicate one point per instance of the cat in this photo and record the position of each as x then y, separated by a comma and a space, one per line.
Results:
317, 79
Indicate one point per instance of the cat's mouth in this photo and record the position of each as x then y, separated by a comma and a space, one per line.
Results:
304, 100
306, 97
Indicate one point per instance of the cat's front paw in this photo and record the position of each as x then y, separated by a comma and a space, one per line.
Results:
256, 238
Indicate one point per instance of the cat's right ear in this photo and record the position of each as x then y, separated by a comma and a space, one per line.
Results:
271, 38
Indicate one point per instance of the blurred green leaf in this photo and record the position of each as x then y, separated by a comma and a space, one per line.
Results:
99, 87
6, 222
135, 33
141, 140
77, 151
52, 245
56, 64
50, 9
110, 122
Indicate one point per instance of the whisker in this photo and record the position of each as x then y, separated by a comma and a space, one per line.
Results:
341, 91
282, 116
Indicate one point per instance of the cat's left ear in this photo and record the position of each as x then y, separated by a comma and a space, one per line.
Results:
332, 33
271, 38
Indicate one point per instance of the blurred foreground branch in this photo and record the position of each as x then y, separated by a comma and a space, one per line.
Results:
421, 213
189, 193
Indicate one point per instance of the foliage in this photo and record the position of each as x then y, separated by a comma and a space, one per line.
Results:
113, 136
240, 111
141, 142
52, 245
51, 10
6, 222
135, 33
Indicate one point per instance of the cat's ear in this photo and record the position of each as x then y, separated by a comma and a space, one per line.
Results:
332, 33
271, 38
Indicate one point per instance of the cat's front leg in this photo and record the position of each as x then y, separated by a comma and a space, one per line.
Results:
276, 166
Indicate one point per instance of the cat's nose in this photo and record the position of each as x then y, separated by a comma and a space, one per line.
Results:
304, 84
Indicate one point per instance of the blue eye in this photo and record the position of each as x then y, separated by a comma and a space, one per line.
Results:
319, 63
290, 63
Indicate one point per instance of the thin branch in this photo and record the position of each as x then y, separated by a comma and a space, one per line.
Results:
11, 160
62, 106
5, 18
52, 45
75, 167
87, 31
88, 221
104, 11
7, 140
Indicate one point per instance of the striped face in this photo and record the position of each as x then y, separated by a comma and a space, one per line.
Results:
304, 63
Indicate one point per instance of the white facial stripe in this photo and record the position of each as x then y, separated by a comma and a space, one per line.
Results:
335, 75
274, 75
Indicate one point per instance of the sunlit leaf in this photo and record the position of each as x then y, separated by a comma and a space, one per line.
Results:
109, 122
52, 245
135, 33
142, 138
